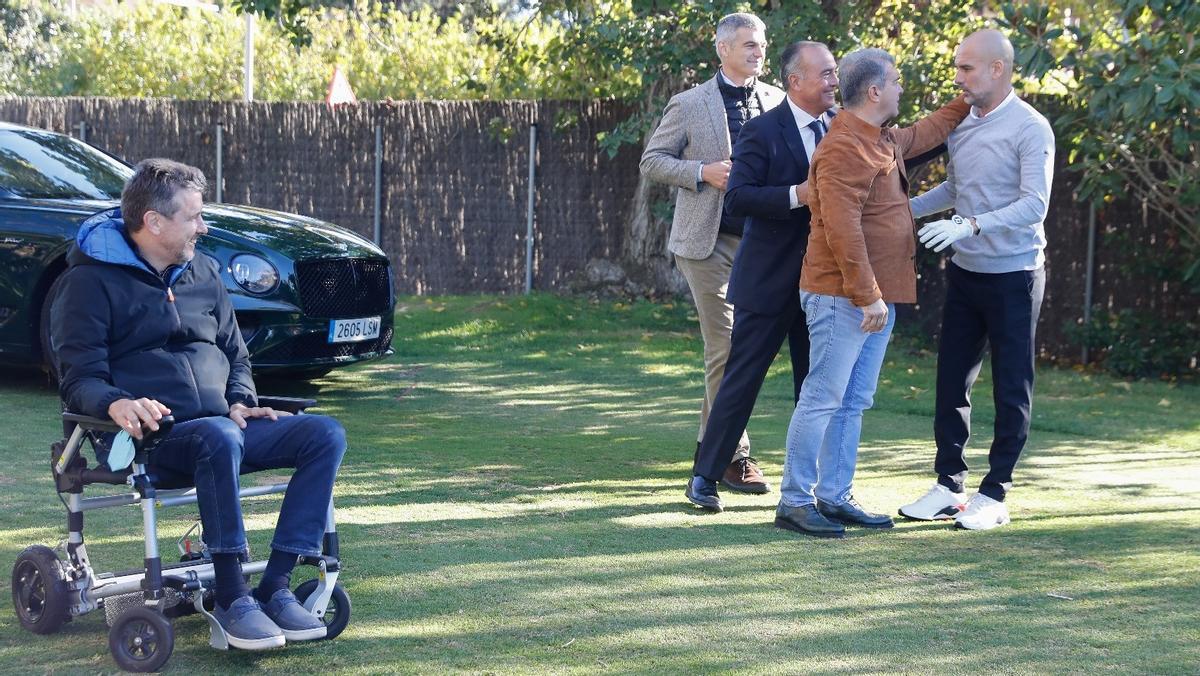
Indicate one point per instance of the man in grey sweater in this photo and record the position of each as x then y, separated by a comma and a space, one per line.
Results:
998, 184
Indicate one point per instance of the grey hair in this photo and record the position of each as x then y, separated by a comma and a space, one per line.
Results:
732, 23
793, 56
153, 187
859, 70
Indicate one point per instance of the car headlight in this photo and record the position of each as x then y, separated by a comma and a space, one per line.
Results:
254, 273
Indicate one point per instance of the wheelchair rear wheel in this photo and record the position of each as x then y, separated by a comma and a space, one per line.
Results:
141, 640
337, 615
39, 590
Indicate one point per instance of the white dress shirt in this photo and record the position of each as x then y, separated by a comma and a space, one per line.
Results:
803, 119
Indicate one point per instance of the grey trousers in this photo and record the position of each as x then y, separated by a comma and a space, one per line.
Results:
708, 279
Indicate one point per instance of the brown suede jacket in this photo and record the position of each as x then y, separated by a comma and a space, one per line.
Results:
862, 244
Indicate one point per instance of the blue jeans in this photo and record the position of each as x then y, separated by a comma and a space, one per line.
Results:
844, 363
210, 453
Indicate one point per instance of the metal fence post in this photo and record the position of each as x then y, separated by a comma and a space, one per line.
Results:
220, 171
1090, 276
529, 209
83, 131
248, 60
378, 183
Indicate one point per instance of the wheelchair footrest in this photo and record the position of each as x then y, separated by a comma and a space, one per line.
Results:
216, 635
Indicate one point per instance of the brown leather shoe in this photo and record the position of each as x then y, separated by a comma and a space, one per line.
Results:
744, 476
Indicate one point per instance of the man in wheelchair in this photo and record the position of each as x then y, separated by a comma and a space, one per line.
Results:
143, 328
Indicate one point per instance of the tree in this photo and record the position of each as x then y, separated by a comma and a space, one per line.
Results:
145, 49
1133, 69
666, 46
647, 50
26, 41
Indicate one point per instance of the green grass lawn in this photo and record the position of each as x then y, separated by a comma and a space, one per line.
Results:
512, 501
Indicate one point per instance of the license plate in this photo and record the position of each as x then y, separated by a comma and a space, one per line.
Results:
353, 330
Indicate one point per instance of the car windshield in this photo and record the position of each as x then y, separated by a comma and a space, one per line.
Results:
44, 165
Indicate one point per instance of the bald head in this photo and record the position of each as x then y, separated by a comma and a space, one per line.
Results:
991, 44
984, 69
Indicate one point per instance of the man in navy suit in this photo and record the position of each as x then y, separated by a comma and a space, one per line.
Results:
768, 184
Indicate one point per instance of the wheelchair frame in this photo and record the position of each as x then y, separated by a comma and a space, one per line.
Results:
141, 637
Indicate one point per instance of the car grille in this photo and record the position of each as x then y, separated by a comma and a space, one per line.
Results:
344, 288
316, 346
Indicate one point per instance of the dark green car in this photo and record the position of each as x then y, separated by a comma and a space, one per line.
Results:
309, 295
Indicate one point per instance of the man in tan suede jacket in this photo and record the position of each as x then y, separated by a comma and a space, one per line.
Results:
858, 265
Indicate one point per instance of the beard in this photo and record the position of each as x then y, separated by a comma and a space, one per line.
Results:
186, 253
975, 99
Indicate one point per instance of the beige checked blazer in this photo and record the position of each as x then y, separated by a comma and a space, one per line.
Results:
694, 131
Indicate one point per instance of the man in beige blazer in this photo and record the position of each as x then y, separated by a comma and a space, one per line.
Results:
690, 150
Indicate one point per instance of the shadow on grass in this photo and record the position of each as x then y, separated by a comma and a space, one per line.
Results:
512, 501
830, 607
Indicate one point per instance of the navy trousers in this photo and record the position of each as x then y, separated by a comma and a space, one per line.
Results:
753, 345
210, 453
1001, 311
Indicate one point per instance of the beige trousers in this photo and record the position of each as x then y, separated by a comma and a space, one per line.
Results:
708, 279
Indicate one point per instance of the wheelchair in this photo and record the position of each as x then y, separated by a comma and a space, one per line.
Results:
48, 591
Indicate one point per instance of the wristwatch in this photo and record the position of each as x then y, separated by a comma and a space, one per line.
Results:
959, 220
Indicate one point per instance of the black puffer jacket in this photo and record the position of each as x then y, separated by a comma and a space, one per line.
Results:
119, 330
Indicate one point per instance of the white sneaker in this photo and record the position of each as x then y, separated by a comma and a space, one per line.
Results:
982, 513
939, 503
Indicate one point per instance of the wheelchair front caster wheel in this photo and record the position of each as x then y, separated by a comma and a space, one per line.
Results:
141, 639
337, 614
39, 590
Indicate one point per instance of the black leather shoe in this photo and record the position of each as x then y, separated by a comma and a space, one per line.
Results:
703, 493
852, 514
807, 520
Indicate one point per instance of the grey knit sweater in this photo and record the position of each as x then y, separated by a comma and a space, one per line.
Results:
1000, 171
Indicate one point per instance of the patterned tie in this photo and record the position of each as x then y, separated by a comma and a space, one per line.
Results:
817, 130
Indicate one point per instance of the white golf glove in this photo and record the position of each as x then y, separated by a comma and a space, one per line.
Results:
940, 234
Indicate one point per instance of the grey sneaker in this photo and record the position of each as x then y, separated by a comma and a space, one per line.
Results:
247, 626
296, 623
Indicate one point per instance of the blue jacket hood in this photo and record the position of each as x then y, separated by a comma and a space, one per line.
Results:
102, 238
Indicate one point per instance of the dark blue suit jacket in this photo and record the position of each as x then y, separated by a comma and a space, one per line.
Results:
768, 160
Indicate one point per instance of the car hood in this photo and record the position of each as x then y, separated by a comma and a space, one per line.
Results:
296, 237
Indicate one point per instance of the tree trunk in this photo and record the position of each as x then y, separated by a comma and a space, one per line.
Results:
648, 265
645, 267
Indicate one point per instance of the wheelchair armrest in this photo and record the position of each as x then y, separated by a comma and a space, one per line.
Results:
288, 404
87, 422
149, 438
